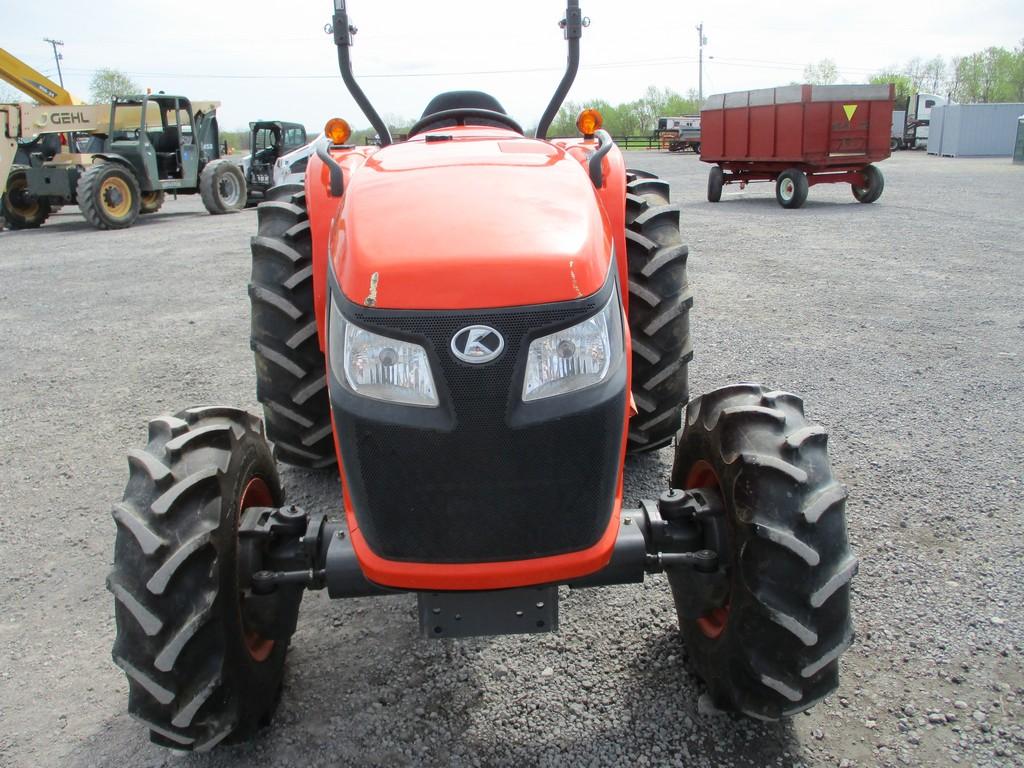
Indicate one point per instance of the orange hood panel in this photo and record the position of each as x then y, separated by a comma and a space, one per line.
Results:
485, 219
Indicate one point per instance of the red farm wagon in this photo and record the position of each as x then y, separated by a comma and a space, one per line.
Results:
798, 136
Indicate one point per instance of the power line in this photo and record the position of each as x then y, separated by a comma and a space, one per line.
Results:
388, 75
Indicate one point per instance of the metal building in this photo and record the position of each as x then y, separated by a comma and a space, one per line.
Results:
973, 130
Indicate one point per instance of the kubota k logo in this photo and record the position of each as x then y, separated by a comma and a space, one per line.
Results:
477, 344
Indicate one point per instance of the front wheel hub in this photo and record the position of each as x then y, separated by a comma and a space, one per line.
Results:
702, 475
256, 494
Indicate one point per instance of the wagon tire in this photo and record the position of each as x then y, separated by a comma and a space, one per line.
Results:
771, 648
199, 672
291, 373
222, 187
716, 180
875, 184
791, 188
109, 196
21, 209
659, 311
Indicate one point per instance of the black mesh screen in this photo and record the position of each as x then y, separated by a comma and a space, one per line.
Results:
485, 491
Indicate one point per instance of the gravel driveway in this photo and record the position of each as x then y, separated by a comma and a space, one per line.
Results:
901, 323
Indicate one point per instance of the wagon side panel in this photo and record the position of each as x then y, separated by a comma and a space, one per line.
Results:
762, 131
712, 129
790, 126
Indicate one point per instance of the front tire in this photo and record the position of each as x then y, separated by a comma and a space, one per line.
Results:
659, 311
222, 187
772, 648
197, 674
108, 195
291, 373
19, 206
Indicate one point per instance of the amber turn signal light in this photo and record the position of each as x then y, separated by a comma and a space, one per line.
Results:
589, 122
337, 130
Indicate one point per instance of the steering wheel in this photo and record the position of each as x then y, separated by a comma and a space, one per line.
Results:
461, 115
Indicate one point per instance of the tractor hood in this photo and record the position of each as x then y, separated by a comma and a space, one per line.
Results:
472, 219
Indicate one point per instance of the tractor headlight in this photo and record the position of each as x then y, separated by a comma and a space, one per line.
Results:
577, 357
379, 367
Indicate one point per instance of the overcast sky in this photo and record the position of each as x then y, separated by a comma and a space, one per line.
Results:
273, 59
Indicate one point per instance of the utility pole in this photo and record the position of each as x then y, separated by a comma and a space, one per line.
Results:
702, 41
56, 56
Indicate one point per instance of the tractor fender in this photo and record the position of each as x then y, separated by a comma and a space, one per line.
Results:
323, 210
111, 157
612, 195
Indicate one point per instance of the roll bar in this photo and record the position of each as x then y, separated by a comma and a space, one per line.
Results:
343, 32
572, 26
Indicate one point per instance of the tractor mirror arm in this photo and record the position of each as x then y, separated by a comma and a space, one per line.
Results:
604, 146
337, 180
573, 25
343, 32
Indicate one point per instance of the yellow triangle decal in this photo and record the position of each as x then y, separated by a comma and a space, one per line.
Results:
849, 109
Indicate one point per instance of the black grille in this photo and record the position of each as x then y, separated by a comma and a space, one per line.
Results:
491, 487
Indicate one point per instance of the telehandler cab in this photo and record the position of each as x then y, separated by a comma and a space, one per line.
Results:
151, 144
477, 326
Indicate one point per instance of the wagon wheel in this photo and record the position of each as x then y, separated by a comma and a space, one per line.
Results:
791, 188
874, 184
716, 179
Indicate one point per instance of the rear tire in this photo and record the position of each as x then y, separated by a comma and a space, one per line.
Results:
772, 649
222, 187
108, 195
197, 675
291, 373
716, 180
791, 188
659, 311
19, 207
151, 202
875, 184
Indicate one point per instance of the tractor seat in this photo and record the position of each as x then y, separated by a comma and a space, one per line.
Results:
453, 101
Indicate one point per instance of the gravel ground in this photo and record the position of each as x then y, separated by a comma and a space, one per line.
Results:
902, 325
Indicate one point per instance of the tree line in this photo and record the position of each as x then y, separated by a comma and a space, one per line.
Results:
992, 75
629, 118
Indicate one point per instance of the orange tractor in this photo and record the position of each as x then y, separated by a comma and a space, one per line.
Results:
475, 327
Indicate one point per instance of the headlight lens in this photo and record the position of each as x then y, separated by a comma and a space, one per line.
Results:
379, 367
575, 358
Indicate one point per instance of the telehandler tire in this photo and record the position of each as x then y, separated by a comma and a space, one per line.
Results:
198, 673
772, 648
108, 195
659, 311
21, 209
222, 187
151, 202
291, 373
